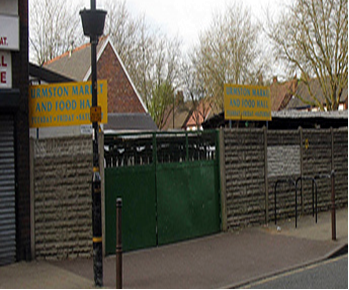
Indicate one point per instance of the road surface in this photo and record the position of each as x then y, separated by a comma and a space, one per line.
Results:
329, 274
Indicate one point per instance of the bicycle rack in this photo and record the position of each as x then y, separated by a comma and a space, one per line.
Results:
312, 191
314, 194
290, 181
325, 176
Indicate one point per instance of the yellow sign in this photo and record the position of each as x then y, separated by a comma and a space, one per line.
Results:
247, 103
96, 114
65, 104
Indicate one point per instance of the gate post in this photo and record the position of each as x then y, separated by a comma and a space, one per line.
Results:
300, 129
266, 184
222, 180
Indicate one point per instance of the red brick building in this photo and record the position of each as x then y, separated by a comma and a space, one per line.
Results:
126, 110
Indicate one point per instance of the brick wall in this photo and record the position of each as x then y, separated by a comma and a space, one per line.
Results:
62, 197
121, 96
254, 159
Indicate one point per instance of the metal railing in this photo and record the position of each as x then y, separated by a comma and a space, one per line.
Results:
130, 149
314, 196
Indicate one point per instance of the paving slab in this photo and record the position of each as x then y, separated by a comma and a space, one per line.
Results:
308, 228
219, 261
40, 274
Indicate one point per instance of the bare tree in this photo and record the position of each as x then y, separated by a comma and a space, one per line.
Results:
54, 27
162, 97
193, 90
123, 29
150, 57
161, 78
227, 52
312, 37
154, 67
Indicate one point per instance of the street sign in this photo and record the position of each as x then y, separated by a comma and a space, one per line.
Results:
5, 70
66, 104
248, 103
96, 114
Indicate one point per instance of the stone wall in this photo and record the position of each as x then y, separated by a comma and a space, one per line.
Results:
251, 162
244, 177
287, 167
62, 197
254, 159
340, 161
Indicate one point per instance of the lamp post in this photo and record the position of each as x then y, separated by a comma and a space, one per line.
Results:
93, 25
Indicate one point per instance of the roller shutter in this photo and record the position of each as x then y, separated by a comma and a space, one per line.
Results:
7, 191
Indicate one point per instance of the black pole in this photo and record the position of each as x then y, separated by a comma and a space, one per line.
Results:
275, 201
315, 201
96, 179
93, 25
118, 248
333, 207
295, 203
312, 195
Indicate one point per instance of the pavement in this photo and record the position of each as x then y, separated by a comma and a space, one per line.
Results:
224, 260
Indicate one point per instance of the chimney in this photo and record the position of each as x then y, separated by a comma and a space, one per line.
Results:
71, 48
260, 80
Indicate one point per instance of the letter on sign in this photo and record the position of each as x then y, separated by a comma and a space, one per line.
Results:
5, 70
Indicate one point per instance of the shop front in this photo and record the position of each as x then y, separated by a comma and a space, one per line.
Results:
14, 136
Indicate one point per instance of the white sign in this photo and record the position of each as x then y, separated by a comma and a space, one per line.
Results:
9, 32
9, 7
5, 70
284, 161
86, 129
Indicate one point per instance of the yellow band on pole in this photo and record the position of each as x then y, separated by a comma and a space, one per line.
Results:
97, 239
95, 169
97, 190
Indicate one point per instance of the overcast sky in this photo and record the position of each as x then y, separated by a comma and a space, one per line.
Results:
186, 18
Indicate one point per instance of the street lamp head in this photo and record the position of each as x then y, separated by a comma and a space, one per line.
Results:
93, 22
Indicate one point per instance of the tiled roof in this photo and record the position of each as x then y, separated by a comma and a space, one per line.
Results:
296, 114
181, 115
41, 74
74, 64
302, 91
281, 94
203, 111
130, 122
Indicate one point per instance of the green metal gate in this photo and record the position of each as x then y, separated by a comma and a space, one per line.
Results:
169, 183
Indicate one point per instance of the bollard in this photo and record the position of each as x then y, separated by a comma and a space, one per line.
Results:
118, 244
333, 208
